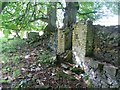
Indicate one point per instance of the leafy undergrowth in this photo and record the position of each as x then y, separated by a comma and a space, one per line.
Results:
24, 66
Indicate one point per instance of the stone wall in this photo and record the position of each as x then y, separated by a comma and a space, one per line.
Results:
106, 44
102, 75
96, 50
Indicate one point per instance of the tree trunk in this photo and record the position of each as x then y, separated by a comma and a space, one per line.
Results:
69, 20
70, 13
51, 12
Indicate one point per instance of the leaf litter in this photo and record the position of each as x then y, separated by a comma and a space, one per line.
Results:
30, 73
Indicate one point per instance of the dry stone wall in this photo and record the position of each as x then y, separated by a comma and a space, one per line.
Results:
96, 50
106, 44
103, 75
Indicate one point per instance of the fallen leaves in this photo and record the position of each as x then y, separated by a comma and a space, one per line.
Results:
36, 74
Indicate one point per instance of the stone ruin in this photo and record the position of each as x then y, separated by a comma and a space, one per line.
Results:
96, 49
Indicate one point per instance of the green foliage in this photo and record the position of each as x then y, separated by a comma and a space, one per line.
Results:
113, 7
16, 73
6, 32
15, 59
21, 84
7, 69
27, 16
22, 16
4, 81
2, 40
13, 45
87, 7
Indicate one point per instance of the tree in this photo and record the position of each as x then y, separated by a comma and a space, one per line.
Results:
19, 16
22, 16
2, 5
70, 13
51, 13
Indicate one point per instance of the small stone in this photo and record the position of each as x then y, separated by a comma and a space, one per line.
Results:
38, 69
29, 75
27, 56
109, 81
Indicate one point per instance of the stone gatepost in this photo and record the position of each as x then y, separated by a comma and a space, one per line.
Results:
64, 47
79, 43
89, 39
61, 42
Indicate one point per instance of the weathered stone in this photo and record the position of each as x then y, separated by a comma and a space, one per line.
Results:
114, 84
104, 41
93, 64
89, 39
110, 71
104, 78
92, 74
104, 85
96, 84
61, 42
97, 80
33, 35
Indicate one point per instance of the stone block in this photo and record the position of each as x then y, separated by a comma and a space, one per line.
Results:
110, 71
97, 80
96, 84
93, 64
114, 84
33, 35
104, 84
104, 78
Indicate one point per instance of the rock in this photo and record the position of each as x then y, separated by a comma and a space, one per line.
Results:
110, 71
32, 35
93, 64
104, 85
114, 84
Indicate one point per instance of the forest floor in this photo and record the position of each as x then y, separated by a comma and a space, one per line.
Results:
28, 67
